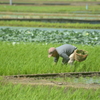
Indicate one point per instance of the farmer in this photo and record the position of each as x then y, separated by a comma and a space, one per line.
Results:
65, 51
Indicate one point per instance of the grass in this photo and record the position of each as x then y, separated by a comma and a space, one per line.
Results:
44, 24
48, 9
21, 92
31, 58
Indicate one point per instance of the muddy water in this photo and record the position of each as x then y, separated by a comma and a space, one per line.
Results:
85, 80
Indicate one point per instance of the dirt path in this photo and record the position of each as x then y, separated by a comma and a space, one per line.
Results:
47, 82
56, 79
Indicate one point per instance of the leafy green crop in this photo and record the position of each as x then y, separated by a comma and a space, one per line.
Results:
36, 35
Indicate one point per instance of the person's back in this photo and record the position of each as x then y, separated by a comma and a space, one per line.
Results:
66, 48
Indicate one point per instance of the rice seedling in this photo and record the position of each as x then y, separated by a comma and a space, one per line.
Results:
20, 92
31, 58
94, 9
56, 25
26, 51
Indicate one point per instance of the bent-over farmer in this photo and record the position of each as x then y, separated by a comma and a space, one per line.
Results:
65, 51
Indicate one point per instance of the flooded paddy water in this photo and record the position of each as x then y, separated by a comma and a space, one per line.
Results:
84, 80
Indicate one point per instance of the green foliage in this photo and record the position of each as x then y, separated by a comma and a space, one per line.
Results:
50, 9
20, 92
56, 25
26, 51
32, 58
21, 56
71, 37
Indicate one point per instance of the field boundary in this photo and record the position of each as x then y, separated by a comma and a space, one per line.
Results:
70, 74
45, 80
60, 20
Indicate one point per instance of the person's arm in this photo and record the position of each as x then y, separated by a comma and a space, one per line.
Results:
56, 59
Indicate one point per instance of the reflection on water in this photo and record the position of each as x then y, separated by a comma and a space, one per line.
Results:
85, 80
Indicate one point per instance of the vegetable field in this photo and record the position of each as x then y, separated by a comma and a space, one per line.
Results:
38, 36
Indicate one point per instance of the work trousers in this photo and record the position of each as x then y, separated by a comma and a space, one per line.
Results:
71, 59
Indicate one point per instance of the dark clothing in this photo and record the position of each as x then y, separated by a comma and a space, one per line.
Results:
64, 51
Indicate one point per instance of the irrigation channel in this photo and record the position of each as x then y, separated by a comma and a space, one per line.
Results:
73, 79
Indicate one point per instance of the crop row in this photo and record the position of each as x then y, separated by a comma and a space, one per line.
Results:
48, 24
36, 35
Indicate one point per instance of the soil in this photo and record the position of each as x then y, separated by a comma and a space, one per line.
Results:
40, 81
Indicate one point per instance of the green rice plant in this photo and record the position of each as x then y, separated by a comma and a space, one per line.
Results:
50, 9
32, 58
27, 50
22, 92
54, 25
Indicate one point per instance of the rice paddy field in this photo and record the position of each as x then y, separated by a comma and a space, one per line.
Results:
46, 12
21, 56
26, 51
19, 92
94, 9
77, 11
50, 25
31, 58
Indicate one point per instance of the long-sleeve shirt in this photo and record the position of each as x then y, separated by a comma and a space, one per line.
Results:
64, 51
